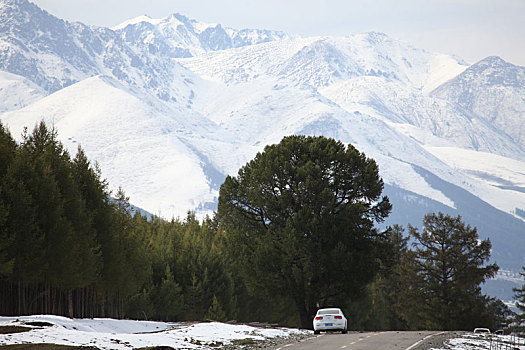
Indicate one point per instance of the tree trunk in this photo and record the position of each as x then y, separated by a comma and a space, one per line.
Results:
70, 303
305, 315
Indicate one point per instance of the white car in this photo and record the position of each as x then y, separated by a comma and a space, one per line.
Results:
482, 331
330, 320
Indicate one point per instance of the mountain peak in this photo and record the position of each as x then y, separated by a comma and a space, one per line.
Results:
25, 16
136, 20
376, 37
14, 2
182, 18
497, 71
492, 61
18, 6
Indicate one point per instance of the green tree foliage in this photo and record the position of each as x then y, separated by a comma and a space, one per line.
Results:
55, 220
188, 270
6, 264
68, 239
68, 247
215, 311
390, 284
8, 149
380, 307
168, 298
443, 282
519, 295
130, 263
7, 153
300, 221
203, 269
496, 314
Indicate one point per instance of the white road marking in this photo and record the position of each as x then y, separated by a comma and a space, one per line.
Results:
425, 338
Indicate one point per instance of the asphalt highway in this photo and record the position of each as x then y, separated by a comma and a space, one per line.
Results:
362, 341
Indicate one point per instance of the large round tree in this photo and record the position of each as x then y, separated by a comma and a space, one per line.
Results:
300, 221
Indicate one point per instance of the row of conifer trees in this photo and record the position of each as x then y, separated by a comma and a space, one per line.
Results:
69, 247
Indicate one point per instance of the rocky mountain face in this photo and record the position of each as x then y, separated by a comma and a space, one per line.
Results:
42, 48
178, 36
54, 54
168, 107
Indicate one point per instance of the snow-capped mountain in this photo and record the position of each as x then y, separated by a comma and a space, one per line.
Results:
168, 107
493, 90
54, 54
178, 36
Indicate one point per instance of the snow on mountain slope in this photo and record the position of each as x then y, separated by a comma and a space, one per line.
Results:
260, 112
272, 90
504, 177
496, 170
179, 36
54, 53
494, 90
444, 68
397, 103
17, 92
227, 104
322, 61
41, 47
139, 145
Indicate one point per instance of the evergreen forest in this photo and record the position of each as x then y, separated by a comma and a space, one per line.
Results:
69, 246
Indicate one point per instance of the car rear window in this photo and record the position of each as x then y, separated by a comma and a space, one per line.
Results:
328, 312
481, 330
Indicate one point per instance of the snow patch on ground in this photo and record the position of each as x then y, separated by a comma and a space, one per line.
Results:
480, 342
106, 333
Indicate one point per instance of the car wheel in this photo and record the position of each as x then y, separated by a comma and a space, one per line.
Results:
344, 331
317, 332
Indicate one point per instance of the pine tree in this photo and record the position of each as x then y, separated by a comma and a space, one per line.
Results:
300, 216
168, 301
129, 267
449, 260
69, 239
202, 268
193, 299
27, 244
215, 311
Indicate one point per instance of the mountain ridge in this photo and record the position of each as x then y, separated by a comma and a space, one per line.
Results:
492, 89
178, 36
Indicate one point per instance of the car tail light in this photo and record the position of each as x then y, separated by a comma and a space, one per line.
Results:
339, 317
319, 318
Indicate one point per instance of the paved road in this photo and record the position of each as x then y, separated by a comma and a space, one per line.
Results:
361, 341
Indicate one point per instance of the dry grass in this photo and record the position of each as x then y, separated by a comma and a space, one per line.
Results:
13, 329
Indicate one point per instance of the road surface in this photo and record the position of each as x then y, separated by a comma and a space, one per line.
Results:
362, 341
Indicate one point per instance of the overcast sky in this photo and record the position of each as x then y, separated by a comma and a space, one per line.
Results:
470, 29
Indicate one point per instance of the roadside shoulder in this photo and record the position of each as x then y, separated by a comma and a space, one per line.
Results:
436, 341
